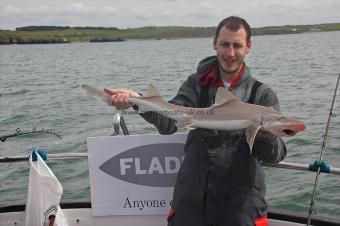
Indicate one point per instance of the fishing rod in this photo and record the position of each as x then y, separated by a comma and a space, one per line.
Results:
321, 154
34, 131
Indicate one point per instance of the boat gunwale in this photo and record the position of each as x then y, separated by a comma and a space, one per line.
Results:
274, 214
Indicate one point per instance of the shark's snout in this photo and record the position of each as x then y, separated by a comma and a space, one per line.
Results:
299, 126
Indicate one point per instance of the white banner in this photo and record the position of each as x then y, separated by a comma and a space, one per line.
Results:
133, 175
44, 194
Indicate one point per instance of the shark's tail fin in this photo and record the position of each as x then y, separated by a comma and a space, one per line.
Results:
94, 92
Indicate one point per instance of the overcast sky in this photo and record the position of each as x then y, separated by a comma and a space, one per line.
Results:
138, 13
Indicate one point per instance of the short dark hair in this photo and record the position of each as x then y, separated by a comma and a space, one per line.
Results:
233, 23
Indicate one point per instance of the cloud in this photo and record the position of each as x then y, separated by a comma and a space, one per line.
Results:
137, 13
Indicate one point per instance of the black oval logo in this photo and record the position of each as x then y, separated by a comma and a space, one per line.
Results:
153, 165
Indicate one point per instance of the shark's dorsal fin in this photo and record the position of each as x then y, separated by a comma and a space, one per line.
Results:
223, 96
153, 91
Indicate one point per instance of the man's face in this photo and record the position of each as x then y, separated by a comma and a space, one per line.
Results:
231, 48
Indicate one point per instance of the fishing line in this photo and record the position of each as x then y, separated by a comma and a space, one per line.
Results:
321, 154
34, 131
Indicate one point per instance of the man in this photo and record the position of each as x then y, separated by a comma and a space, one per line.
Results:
219, 183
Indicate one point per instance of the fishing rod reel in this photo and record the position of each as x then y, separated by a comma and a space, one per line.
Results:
34, 132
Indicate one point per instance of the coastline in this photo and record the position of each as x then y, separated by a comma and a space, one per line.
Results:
60, 34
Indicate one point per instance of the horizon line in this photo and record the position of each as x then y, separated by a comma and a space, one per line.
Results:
146, 26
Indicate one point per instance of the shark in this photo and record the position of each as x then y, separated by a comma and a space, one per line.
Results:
226, 114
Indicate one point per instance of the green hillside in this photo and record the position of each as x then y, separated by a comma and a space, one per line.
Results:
60, 34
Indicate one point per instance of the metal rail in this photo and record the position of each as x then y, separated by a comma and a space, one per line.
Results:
70, 156
299, 166
118, 122
64, 156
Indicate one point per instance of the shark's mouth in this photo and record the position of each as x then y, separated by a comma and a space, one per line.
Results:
293, 129
289, 132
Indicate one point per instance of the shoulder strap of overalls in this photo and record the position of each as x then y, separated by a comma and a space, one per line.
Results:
256, 85
203, 99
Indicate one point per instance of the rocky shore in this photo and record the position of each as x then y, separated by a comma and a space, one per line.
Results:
11, 41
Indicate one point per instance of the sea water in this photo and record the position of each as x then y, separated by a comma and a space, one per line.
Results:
40, 88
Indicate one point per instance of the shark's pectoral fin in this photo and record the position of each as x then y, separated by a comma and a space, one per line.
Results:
184, 122
190, 127
251, 134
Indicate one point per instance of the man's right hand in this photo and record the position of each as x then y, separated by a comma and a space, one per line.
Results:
120, 98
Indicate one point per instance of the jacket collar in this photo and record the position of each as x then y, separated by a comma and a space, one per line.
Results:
210, 74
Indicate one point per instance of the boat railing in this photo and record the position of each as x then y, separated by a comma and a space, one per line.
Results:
70, 156
119, 124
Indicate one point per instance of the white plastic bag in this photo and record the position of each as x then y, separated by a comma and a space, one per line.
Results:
44, 193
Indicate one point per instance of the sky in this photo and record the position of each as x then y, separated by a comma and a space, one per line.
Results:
138, 13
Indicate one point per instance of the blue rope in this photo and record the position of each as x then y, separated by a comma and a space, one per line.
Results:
324, 167
41, 152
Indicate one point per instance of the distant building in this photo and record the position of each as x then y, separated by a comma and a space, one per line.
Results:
316, 28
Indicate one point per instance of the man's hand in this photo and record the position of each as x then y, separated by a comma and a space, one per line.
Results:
120, 97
